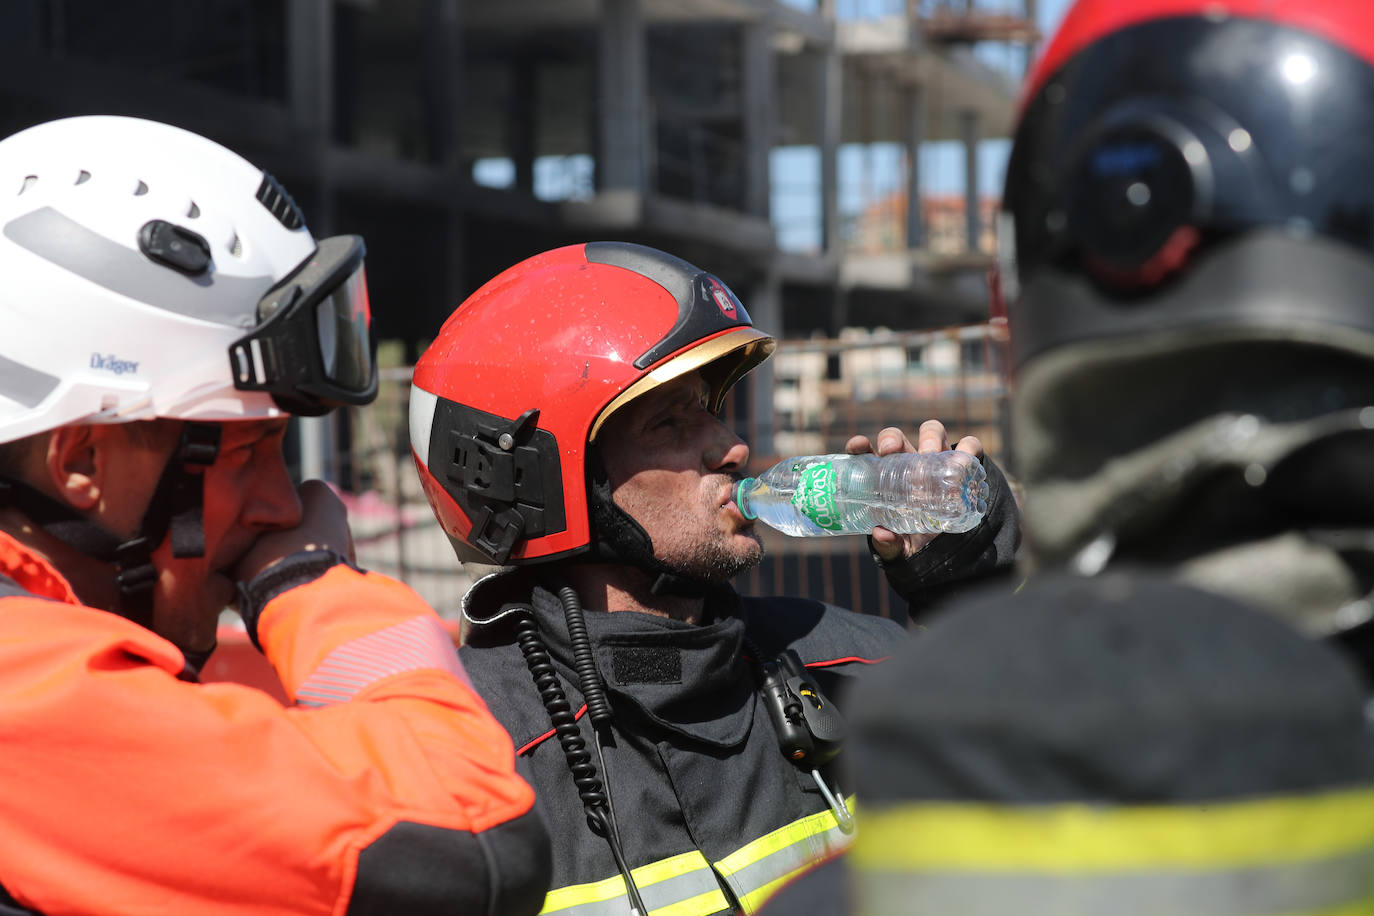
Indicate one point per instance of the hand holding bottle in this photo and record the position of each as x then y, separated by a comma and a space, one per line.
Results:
930, 437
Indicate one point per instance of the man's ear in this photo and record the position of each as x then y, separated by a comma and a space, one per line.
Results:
74, 464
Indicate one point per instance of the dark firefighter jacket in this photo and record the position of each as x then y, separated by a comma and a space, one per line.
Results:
712, 817
386, 788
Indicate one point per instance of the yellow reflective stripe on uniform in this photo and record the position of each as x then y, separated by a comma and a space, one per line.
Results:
1293, 856
686, 885
682, 885
1301, 889
755, 871
1081, 838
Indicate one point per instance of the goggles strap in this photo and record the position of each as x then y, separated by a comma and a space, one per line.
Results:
617, 538
181, 491
59, 520
177, 503
134, 570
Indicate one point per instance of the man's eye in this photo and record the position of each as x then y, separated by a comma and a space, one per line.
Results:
246, 450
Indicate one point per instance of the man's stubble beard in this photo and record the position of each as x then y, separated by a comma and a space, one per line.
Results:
712, 562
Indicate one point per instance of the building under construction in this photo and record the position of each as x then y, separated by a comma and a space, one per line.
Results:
459, 136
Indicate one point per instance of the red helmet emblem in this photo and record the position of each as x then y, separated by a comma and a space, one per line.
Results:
724, 301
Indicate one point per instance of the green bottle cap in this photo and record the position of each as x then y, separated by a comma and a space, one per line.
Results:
741, 500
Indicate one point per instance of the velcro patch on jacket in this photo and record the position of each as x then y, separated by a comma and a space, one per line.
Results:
646, 665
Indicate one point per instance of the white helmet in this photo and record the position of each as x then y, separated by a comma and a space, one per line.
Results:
149, 272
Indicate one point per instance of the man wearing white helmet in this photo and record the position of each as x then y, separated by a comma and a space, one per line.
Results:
165, 311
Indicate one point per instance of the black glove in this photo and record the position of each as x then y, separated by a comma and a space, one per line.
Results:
286, 573
951, 560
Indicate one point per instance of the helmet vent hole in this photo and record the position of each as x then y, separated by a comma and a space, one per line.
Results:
141, 189
83, 176
236, 247
193, 212
28, 183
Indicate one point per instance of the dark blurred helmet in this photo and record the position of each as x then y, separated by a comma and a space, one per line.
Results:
517, 385
1113, 745
1186, 258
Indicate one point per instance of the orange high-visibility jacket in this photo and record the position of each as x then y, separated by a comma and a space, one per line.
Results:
386, 788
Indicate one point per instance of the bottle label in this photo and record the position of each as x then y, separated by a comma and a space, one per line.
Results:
815, 496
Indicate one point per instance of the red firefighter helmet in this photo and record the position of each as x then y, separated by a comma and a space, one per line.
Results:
524, 373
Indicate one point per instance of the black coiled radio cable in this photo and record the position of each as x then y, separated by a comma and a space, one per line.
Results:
596, 799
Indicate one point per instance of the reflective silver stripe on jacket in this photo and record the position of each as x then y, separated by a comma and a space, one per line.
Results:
683, 885
687, 885
754, 872
1338, 885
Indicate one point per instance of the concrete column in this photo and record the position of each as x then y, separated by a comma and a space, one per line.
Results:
310, 63
455, 285
765, 308
913, 102
969, 123
444, 109
915, 38
310, 98
759, 116
521, 121
623, 127
828, 100
443, 80
839, 309
1032, 15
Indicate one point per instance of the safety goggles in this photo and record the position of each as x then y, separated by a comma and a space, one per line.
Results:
312, 349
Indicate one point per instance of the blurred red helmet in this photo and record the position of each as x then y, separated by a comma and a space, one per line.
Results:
522, 376
1195, 165
1188, 225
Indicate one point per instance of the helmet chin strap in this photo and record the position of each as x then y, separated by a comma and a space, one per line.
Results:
617, 538
176, 509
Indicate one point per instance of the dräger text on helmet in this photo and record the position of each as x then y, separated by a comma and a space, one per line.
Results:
112, 363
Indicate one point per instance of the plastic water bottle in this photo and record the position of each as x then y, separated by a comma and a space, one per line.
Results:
908, 493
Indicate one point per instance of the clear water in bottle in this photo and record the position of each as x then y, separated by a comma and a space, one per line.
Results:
909, 493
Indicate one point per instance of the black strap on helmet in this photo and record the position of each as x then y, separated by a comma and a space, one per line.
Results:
176, 506
617, 538
178, 502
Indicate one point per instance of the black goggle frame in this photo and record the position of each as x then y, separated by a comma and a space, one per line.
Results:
297, 352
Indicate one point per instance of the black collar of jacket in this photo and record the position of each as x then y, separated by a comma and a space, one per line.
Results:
686, 680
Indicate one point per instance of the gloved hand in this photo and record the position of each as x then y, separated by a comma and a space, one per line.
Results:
279, 560
951, 561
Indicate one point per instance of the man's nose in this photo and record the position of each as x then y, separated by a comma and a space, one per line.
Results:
727, 452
